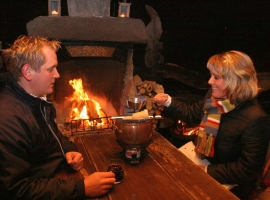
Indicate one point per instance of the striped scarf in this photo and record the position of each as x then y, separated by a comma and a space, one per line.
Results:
213, 109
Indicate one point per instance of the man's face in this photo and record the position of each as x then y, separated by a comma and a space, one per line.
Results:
218, 86
43, 81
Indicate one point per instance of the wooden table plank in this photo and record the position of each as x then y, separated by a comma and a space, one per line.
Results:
148, 180
195, 181
164, 173
88, 167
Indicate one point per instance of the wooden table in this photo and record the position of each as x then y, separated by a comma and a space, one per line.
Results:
164, 173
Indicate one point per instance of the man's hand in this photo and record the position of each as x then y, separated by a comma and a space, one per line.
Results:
98, 183
75, 160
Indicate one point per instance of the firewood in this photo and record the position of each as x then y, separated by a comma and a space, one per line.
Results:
142, 90
154, 106
161, 108
158, 112
138, 87
91, 108
151, 112
149, 82
149, 104
153, 93
158, 88
137, 80
149, 88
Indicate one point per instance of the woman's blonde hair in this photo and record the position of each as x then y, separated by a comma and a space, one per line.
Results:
239, 74
27, 50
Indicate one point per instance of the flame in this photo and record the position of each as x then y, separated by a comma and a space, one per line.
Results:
81, 107
79, 91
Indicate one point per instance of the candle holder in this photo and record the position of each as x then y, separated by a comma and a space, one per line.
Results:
124, 8
54, 7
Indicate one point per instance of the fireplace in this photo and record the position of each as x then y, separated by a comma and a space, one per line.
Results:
102, 79
97, 50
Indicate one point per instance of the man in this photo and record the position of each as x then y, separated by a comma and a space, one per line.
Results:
32, 149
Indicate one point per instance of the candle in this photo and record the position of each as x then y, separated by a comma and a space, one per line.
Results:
54, 12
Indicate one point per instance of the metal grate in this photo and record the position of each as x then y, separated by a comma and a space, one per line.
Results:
93, 125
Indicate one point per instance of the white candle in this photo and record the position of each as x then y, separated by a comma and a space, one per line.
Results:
54, 12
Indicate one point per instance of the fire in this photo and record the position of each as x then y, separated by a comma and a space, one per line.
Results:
83, 107
78, 87
80, 96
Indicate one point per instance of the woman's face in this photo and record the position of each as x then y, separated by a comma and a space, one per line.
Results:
218, 86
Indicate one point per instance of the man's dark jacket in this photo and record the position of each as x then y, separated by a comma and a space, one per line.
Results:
241, 143
32, 149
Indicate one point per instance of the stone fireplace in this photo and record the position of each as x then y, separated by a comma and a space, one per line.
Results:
98, 50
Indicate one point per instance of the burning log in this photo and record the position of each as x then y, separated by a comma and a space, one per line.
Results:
91, 109
82, 107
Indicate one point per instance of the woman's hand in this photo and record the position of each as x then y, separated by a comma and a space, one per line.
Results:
161, 98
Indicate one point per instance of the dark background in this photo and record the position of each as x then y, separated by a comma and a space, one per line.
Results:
193, 30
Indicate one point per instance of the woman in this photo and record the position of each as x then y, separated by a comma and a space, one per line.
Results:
234, 131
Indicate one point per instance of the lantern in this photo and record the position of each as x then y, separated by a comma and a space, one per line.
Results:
124, 8
54, 7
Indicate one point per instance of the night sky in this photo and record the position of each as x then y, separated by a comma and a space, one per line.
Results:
193, 30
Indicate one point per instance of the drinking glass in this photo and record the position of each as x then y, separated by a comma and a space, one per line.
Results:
117, 167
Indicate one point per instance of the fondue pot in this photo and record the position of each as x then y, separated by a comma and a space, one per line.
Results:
134, 136
133, 132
